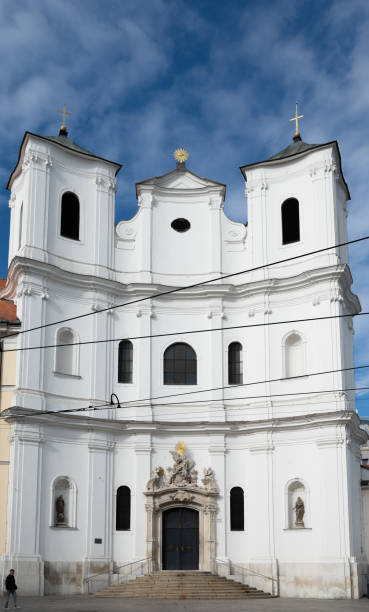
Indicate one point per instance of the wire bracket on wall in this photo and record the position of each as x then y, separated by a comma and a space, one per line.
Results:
114, 395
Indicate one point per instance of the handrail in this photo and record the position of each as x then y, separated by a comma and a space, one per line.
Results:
246, 569
107, 571
250, 571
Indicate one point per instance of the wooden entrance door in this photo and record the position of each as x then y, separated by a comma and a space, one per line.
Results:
180, 539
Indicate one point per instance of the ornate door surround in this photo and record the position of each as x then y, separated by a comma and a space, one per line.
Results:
179, 489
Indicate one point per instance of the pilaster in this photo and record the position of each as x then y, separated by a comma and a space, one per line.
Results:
143, 469
99, 521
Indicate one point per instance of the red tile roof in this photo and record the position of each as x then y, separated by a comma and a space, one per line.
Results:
8, 310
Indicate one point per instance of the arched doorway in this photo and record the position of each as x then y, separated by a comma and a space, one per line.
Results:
180, 548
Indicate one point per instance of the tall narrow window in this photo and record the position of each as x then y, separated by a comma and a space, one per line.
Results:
69, 221
237, 509
294, 355
180, 365
125, 361
66, 352
290, 221
123, 510
235, 374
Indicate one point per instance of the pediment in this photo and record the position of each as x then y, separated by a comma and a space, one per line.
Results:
181, 179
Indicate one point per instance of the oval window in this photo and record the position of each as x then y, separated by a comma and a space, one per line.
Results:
181, 225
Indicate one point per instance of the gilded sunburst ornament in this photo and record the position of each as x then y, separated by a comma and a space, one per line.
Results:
180, 155
181, 448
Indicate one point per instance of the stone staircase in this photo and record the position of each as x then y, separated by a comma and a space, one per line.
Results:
182, 585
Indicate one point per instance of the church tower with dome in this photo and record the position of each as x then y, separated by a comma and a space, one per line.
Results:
183, 396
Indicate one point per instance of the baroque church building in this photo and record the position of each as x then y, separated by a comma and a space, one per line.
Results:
221, 432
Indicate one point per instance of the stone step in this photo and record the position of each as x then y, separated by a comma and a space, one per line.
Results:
182, 585
224, 590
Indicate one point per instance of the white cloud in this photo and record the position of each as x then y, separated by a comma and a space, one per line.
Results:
142, 78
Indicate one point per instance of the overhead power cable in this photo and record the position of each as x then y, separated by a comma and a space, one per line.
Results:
185, 332
192, 286
139, 403
247, 384
247, 397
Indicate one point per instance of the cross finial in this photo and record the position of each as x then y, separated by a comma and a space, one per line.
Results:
63, 128
296, 119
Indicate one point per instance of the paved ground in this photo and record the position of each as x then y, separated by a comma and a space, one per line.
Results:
90, 604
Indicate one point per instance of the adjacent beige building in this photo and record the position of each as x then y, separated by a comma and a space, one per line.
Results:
9, 324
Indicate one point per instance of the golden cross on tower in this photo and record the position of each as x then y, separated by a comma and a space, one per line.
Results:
63, 127
296, 119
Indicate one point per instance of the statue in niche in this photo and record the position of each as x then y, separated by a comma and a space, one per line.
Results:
60, 509
209, 479
154, 481
299, 508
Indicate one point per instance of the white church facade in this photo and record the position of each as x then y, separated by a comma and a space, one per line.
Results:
228, 451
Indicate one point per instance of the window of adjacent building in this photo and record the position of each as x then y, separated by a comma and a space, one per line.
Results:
290, 221
235, 373
125, 361
237, 510
180, 365
69, 221
66, 352
294, 355
123, 509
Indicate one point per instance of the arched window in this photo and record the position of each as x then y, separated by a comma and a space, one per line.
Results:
63, 502
237, 509
294, 355
297, 505
125, 361
290, 221
69, 221
66, 352
235, 374
123, 509
180, 365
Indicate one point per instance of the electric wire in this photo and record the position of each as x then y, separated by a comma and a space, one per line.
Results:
257, 382
139, 403
185, 332
192, 286
110, 406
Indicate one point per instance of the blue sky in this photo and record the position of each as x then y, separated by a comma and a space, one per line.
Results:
219, 78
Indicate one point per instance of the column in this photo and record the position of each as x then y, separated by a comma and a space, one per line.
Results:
143, 469
144, 362
100, 511
216, 410
217, 459
25, 495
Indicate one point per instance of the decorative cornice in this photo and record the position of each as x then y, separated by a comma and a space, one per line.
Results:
308, 422
309, 278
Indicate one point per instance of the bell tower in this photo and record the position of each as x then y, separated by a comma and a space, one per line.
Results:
297, 204
62, 204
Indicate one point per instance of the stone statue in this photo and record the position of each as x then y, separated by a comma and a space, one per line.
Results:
154, 481
59, 507
182, 472
209, 479
300, 511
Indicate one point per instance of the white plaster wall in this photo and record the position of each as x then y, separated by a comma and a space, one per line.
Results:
54, 279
